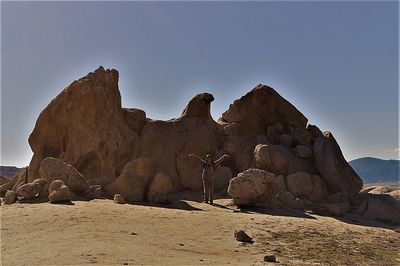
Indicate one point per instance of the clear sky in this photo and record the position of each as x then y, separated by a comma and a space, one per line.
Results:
337, 62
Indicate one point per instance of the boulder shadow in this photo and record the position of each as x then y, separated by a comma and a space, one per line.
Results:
356, 219
64, 202
176, 204
276, 212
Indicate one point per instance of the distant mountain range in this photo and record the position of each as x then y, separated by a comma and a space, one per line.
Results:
374, 170
9, 171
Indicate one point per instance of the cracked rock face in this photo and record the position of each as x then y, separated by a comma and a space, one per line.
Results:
86, 127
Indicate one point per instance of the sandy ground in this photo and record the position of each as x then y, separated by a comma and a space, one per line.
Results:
186, 233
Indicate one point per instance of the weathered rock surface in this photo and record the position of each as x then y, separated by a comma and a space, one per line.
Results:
261, 107
303, 151
255, 187
131, 183
54, 169
300, 184
333, 168
159, 189
280, 160
84, 126
59, 192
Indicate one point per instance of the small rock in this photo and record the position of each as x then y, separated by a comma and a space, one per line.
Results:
60, 194
243, 237
270, 258
119, 199
10, 197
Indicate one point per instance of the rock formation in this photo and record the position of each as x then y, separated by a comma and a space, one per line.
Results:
86, 139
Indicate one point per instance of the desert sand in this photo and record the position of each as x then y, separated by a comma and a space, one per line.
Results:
187, 232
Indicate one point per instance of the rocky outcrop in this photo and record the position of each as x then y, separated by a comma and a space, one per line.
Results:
93, 141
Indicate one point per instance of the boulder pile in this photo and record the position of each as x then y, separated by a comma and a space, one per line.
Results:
87, 140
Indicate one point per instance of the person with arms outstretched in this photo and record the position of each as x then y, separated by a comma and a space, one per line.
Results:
207, 175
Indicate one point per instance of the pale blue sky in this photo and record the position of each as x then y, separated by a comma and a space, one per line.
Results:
337, 62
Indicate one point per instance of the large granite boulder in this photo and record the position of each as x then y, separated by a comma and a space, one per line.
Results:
54, 169
255, 187
84, 126
93, 141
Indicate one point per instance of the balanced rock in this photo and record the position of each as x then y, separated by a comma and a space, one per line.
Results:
53, 169
160, 187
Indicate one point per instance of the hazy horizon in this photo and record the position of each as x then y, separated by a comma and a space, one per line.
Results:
337, 62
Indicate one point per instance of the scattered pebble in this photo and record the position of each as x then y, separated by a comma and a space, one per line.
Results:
270, 258
180, 244
134, 234
243, 237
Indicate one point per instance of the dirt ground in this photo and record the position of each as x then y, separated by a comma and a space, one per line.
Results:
187, 232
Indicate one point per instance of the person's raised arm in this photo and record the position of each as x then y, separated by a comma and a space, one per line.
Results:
220, 160
197, 157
